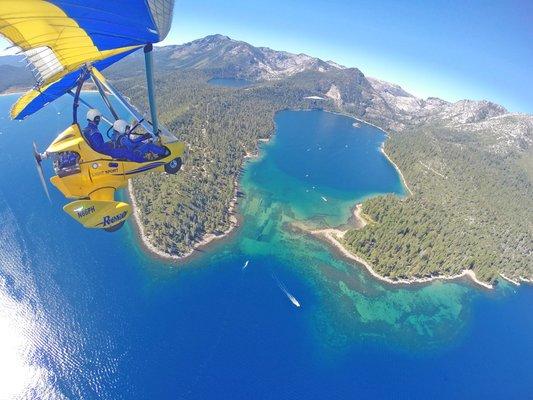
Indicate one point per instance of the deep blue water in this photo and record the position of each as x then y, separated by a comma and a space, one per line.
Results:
86, 314
229, 82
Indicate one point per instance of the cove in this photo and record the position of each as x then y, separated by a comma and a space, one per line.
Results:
88, 314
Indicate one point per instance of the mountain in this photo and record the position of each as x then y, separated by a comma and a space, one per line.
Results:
14, 78
234, 58
348, 89
13, 60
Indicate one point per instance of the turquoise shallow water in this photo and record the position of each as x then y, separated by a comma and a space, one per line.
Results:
85, 314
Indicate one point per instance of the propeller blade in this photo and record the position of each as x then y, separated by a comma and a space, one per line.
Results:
38, 160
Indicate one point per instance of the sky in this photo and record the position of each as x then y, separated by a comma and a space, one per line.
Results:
448, 49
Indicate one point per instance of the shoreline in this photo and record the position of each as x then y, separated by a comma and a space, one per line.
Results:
517, 282
205, 241
331, 237
21, 91
404, 181
8, 93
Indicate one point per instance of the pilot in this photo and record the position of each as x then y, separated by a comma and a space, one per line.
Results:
134, 147
92, 134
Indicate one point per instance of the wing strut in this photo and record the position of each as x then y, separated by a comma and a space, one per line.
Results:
122, 100
148, 62
88, 106
103, 94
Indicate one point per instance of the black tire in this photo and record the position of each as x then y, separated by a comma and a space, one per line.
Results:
115, 228
173, 166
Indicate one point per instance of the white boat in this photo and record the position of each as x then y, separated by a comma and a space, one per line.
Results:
293, 299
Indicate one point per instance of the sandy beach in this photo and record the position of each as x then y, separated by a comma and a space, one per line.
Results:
518, 281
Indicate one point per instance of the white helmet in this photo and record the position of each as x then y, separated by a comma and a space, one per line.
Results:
93, 113
120, 126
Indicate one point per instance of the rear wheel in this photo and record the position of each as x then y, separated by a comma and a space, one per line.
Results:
173, 166
115, 228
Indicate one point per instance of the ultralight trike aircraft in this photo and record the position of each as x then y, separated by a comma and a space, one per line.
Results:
66, 44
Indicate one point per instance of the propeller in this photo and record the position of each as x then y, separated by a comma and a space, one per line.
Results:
38, 160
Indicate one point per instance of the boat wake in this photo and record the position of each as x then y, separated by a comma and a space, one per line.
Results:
245, 265
282, 287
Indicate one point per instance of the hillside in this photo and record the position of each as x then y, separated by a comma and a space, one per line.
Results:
14, 77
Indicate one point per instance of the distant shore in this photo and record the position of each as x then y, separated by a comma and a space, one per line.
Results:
12, 91
21, 90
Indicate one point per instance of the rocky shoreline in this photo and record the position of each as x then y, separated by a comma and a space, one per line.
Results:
404, 182
207, 239
334, 236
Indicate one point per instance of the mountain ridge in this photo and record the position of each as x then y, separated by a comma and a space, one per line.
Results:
384, 103
238, 59
271, 68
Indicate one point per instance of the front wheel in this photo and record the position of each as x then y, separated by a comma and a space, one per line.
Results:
173, 166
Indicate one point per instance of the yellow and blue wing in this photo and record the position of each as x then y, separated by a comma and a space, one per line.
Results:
59, 37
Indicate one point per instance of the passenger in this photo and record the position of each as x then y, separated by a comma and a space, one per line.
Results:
92, 134
134, 148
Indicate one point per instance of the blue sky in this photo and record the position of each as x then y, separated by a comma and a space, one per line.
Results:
448, 49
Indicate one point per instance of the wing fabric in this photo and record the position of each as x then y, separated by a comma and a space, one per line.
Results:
36, 99
59, 37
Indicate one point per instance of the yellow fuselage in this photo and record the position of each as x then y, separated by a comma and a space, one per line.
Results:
96, 177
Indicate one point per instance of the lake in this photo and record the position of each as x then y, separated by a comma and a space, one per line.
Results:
88, 314
229, 82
